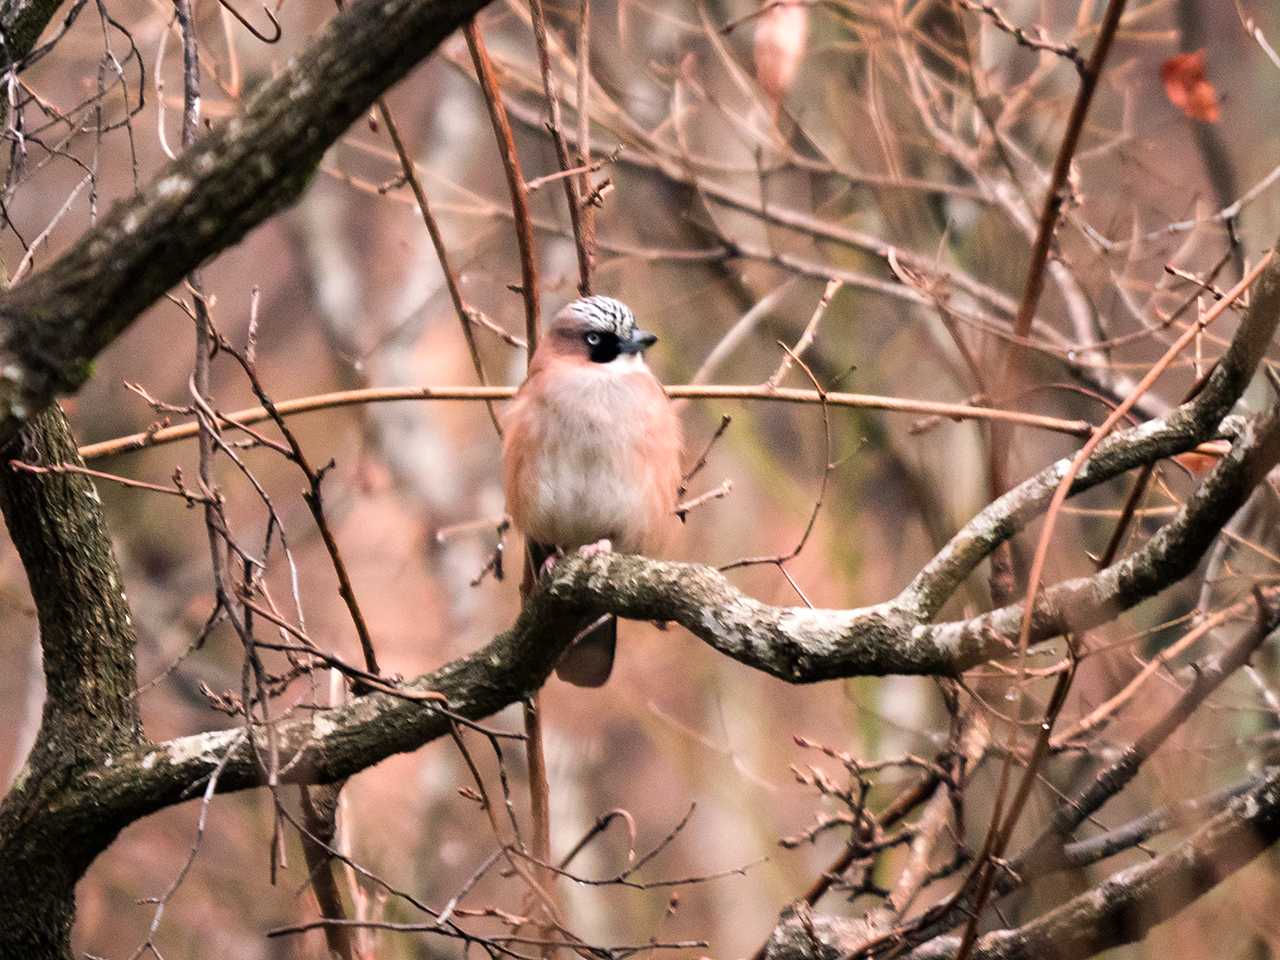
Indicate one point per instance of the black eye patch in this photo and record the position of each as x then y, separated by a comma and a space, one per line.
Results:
602, 347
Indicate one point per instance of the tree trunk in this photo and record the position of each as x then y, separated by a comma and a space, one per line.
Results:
87, 640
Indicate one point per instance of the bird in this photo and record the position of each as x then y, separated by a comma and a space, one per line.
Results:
591, 454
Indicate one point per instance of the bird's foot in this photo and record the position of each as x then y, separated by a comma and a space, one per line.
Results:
549, 564
603, 545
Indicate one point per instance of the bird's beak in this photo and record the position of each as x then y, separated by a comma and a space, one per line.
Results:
639, 342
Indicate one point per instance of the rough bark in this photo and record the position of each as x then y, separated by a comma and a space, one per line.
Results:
88, 641
1119, 910
21, 22
90, 774
1125, 906
796, 644
53, 324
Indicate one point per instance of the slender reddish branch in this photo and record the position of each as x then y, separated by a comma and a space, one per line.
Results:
347, 398
1002, 826
539, 790
1055, 197
460, 307
556, 129
586, 190
515, 180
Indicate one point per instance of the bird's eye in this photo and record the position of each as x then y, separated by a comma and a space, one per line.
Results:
593, 339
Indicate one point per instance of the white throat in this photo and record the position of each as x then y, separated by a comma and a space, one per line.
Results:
624, 363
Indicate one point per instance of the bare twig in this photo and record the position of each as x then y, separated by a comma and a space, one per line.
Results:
806, 338
515, 180
1055, 197
555, 128
1023, 36
464, 312
1002, 825
315, 504
177, 490
345, 398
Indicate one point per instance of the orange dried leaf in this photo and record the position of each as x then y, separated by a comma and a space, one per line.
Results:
1187, 87
1197, 464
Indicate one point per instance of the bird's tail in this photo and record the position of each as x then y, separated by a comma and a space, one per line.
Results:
589, 660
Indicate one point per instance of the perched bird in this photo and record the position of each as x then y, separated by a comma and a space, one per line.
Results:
591, 453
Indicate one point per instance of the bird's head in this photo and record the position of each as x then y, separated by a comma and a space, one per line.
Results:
598, 329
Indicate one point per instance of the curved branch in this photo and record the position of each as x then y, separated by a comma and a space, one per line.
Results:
1120, 910
87, 642
1009, 513
796, 644
1125, 906
346, 398
802, 645
86, 805
337, 743
55, 323
86, 633
1171, 554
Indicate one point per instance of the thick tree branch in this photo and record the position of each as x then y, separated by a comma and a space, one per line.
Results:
1083, 853
1047, 854
1125, 906
1170, 555
86, 633
87, 639
1120, 910
798, 644
55, 323
62, 814
91, 774
21, 22
340, 742
803, 645
1002, 518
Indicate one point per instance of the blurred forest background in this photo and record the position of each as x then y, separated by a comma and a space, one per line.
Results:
749, 156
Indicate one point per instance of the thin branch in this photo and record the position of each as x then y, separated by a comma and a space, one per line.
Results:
589, 195
515, 181
555, 127
346, 398
806, 338
315, 503
177, 490
1113, 778
1003, 824
1047, 853
1124, 907
796, 644
460, 307
1068, 51
1055, 197
234, 177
